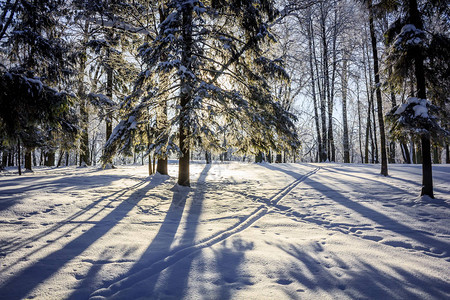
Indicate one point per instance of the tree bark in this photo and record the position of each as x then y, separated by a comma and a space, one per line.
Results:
186, 95
427, 173
447, 153
4, 159
384, 167
344, 110
359, 122
18, 158
393, 103
313, 86
109, 84
28, 159
50, 159
84, 112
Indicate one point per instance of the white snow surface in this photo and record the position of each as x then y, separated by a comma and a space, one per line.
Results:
241, 231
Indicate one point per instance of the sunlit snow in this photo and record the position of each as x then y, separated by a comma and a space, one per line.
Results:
241, 231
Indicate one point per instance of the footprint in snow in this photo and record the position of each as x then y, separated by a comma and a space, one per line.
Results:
284, 281
372, 238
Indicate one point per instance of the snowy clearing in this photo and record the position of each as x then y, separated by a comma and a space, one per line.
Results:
242, 231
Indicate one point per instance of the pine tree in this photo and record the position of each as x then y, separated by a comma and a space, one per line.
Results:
408, 49
207, 65
33, 111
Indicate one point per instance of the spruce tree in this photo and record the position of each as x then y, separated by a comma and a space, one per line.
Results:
409, 46
208, 64
33, 111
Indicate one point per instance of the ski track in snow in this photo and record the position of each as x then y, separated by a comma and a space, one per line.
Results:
182, 252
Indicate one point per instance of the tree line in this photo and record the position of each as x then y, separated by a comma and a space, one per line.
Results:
87, 82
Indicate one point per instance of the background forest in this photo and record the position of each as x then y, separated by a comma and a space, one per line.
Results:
119, 82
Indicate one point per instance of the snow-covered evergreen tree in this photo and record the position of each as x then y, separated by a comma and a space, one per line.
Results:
34, 64
408, 43
208, 65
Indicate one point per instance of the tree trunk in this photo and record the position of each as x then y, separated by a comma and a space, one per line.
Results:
344, 111
313, 86
359, 122
161, 117
278, 158
50, 159
109, 84
447, 153
322, 95
28, 159
150, 170
4, 159
384, 167
405, 153
84, 112
427, 173
259, 157
11, 157
436, 155
393, 103
208, 157
185, 97
18, 158
61, 155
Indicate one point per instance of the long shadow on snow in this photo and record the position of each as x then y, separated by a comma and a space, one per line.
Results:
20, 243
18, 286
13, 189
153, 276
361, 281
441, 249
411, 170
176, 278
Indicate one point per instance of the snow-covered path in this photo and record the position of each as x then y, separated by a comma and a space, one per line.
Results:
242, 231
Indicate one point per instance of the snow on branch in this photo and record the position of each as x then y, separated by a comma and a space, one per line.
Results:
416, 117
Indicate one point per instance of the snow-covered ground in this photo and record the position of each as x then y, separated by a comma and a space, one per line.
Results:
242, 231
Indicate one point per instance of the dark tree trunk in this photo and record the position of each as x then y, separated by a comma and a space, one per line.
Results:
109, 84
162, 166
4, 159
11, 157
344, 111
278, 158
208, 157
405, 153
447, 153
259, 157
50, 159
161, 117
34, 158
384, 167
436, 155
61, 155
322, 93
427, 173
366, 148
392, 143
313, 86
28, 160
18, 158
84, 140
186, 95
84, 112
359, 123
